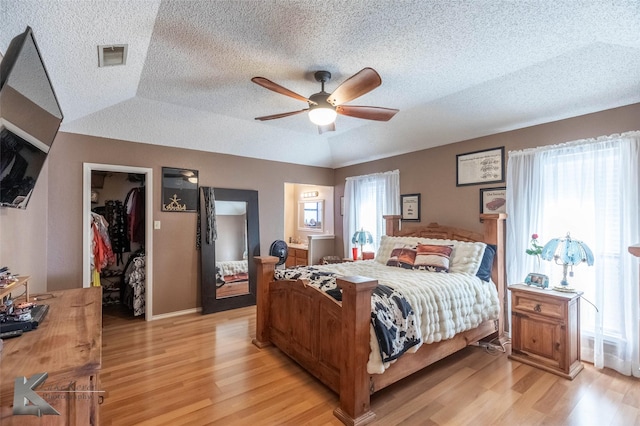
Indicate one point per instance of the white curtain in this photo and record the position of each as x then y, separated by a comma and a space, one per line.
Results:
366, 199
588, 188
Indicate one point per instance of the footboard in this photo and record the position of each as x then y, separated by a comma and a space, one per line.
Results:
330, 339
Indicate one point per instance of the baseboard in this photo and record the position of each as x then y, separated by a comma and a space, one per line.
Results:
176, 313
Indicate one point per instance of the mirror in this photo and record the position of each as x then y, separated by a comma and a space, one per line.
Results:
311, 215
228, 273
232, 269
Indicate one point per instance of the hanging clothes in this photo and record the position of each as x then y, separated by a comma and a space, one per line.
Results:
101, 251
114, 212
135, 208
134, 279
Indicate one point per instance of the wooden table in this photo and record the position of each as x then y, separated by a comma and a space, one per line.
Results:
67, 346
21, 281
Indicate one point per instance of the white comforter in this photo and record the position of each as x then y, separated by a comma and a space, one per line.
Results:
232, 267
444, 303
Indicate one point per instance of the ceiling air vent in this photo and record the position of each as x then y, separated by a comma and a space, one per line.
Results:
115, 54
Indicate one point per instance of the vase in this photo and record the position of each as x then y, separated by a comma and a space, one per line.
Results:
354, 252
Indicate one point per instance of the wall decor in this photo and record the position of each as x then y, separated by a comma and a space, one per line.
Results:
179, 190
410, 207
493, 200
478, 167
341, 206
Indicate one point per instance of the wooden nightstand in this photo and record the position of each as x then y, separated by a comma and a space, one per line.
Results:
546, 329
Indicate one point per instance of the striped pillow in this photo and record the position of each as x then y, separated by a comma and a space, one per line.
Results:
430, 257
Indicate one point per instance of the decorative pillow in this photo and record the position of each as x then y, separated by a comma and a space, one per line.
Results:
465, 257
402, 256
486, 266
434, 258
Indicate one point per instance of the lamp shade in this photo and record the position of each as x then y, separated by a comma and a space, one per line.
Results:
362, 237
567, 252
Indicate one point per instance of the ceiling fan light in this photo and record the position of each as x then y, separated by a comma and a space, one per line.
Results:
322, 116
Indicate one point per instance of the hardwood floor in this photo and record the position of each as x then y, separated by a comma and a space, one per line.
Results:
203, 370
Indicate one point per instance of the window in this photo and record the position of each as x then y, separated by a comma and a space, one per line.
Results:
590, 189
367, 199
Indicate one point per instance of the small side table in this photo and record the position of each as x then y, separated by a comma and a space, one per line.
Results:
546, 329
22, 281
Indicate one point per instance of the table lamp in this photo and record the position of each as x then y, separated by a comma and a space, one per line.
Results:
567, 252
361, 237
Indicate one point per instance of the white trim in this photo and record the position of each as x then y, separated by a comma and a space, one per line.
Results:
24, 135
177, 313
86, 209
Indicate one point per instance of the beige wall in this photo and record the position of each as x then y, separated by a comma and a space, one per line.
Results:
45, 240
58, 244
22, 246
432, 172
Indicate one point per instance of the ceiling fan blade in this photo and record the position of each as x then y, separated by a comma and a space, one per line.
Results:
358, 84
281, 115
331, 127
367, 112
268, 84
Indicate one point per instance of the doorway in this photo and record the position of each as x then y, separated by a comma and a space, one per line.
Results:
88, 168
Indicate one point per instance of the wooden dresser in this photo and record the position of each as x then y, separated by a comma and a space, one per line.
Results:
67, 346
297, 257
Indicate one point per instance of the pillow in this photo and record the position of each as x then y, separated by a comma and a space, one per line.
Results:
486, 265
434, 258
402, 256
465, 257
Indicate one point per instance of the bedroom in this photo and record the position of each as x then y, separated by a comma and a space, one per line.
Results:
53, 217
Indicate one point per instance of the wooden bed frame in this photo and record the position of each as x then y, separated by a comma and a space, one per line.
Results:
295, 318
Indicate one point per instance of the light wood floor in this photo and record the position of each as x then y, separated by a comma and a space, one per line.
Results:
203, 370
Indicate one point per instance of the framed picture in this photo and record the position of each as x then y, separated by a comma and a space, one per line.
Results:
179, 190
538, 280
493, 200
341, 206
478, 167
410, 207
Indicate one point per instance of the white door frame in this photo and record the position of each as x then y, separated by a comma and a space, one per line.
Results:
148, 232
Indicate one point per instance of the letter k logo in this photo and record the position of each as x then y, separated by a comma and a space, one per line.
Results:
23, 394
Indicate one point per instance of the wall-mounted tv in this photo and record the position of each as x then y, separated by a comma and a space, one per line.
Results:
30, 117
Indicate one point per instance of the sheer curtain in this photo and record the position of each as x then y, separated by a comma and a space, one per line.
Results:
366, 199
590, 189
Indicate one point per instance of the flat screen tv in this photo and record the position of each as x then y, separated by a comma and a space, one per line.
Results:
30, 117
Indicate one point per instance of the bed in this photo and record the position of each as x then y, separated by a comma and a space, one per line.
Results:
302, 320
231, 271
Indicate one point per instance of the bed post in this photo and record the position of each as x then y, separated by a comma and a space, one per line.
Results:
265, 266
494, 234
392, 224
355, 391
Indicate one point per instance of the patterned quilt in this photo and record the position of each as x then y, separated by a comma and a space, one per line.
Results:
441, 304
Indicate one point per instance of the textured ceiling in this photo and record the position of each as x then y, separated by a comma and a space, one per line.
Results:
455, 69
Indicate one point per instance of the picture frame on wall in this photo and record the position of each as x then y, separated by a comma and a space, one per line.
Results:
480, 167
493, 200
410, 207
179, 190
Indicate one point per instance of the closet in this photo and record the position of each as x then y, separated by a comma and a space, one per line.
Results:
117, 238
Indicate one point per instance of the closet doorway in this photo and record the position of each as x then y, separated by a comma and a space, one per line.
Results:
88, 168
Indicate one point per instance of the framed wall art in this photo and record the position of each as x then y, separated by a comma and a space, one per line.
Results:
493, 200
179, 190
410, 207
478, 167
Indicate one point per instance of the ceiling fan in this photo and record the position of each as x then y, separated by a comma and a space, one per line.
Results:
323, 106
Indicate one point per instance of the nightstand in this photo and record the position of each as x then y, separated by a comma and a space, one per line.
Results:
546, 329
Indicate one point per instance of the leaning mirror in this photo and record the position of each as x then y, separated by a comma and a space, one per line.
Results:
230, 239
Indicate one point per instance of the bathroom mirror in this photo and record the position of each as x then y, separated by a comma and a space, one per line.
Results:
311, 215
228, 273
